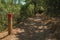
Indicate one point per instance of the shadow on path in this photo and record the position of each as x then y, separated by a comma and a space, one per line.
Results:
34, 30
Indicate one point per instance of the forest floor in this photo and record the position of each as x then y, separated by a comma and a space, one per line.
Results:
38, 27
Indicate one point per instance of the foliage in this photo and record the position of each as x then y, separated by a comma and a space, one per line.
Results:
5, 8
53, 7
23, 9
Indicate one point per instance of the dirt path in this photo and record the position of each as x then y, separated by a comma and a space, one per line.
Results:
34, 28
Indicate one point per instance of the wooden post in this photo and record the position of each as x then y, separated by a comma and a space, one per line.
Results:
9, 23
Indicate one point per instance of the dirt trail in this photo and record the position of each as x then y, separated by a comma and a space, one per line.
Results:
34, 28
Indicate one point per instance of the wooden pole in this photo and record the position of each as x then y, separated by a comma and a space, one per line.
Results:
9, 23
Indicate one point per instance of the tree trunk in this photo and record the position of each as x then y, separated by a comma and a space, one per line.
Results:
34, 8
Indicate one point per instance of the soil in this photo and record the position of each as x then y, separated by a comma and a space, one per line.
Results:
34, 28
